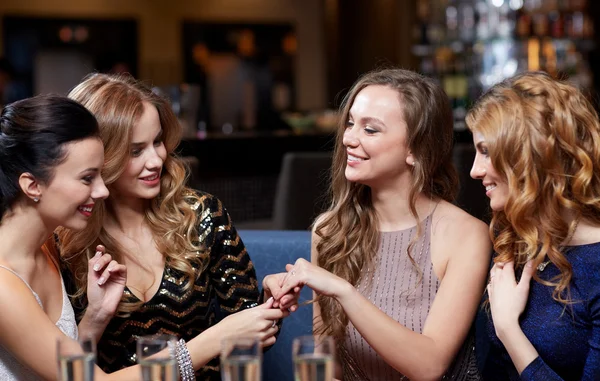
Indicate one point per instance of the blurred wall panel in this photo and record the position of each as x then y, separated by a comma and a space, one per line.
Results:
226, 75
108, 45
160, 31
364, 35
59, 71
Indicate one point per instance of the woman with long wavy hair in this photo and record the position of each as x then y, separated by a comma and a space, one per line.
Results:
538, 156
189, 274
399, 271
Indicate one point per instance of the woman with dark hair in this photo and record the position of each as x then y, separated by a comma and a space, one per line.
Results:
399, 271
189, 274
538, 156
50, 161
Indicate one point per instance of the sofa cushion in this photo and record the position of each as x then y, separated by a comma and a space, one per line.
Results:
270, 251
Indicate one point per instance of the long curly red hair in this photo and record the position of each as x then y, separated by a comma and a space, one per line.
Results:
543, 136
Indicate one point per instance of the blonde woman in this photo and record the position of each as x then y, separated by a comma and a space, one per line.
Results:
189, 274
538, 156
399, 271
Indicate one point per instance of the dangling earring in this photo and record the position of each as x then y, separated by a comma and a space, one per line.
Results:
35, 199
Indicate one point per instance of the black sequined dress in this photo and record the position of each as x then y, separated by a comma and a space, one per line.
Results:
227, 286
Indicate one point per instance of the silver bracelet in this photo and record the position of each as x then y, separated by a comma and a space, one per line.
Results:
184, 362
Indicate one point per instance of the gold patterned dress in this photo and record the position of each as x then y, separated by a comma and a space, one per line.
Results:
227, 286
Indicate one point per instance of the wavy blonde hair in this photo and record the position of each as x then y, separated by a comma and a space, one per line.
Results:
348, 230
117, 103
543, 136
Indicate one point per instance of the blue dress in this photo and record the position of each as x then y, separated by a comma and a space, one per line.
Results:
566, 339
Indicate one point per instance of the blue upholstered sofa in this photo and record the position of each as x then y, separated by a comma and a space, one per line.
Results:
270, 251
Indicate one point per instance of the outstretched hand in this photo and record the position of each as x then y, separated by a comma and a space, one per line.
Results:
303, 273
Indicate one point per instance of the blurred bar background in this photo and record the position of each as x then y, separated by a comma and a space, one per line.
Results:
256, 83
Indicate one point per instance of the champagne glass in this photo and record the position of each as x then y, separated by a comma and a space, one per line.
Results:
76, 358
241, 359
313, 358
156, 355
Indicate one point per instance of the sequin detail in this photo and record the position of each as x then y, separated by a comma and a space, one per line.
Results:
227, 286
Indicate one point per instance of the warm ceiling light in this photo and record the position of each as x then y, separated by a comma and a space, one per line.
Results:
81, 33
65, 34
290, 44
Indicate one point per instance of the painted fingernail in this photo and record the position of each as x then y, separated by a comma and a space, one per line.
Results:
101, 281
96, 267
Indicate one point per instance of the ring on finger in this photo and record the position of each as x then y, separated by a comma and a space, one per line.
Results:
274, 324
293, 272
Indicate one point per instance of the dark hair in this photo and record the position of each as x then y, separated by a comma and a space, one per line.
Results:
33, 133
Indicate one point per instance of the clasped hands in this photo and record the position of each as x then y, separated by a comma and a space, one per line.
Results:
285, 287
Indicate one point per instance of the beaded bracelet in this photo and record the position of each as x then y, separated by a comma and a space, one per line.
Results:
184, 362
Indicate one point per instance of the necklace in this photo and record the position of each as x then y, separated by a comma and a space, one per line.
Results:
542, 266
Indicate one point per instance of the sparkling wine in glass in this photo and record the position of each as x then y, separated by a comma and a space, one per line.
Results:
156, 356
241, 359
76, 359
313, 358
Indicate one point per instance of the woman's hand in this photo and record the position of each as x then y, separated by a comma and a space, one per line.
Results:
304, 273
106, 282
507, 297
260, 321
272, 285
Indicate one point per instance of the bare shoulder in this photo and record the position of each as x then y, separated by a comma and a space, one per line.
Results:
27, 332
318, 224
316, 238
320, 219
11, 284
449, 219
459, 232
14, 292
